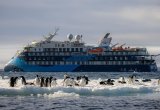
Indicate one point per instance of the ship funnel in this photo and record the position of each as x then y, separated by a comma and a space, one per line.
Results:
105, 42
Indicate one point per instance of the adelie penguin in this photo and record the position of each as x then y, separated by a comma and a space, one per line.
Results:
42, 82
37, 81
23, 80
13, 81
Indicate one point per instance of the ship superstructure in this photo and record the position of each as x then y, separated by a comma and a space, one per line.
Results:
74, 56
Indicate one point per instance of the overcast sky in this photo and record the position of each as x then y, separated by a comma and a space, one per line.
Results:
134, 22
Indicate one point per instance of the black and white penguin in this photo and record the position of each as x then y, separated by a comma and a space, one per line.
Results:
131, 79
83, 81
13, 81
67, 80
47, 82
108, 82
42, 82
37, 81
122, 80
23, 80
53, 82
66, 76
146, 80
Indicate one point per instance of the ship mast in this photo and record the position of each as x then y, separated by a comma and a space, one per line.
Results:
51, 35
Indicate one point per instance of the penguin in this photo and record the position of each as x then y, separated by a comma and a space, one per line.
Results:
66, 76
82, 81
37, 81
110, 82
146, 80
47, 81
67, 82
72, 82
122, 80
53, 82
131, 79
42, 82
23, 80
78, 78
13, 81
103, 82
87, 79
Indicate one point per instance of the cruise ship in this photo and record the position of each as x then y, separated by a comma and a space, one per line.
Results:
73, 55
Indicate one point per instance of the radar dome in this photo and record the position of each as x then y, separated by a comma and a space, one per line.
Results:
77, 37
70, 36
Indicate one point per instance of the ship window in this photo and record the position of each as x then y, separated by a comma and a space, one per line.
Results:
72, 49
39, 58
67, 49
55, 45
76, 49
62, 45
118, 62
48, 58
55, 49
30, 58
47, 63
37, 62
60, 49
29, 54
81, 49
51, 62
121, 58
42, 62
33, 62
61, 63
124, 53
52, 53
64, 49
101, 58
51, 58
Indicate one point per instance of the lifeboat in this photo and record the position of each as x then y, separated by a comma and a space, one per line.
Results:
96, 50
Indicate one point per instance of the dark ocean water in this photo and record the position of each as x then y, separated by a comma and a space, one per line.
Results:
138, 101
